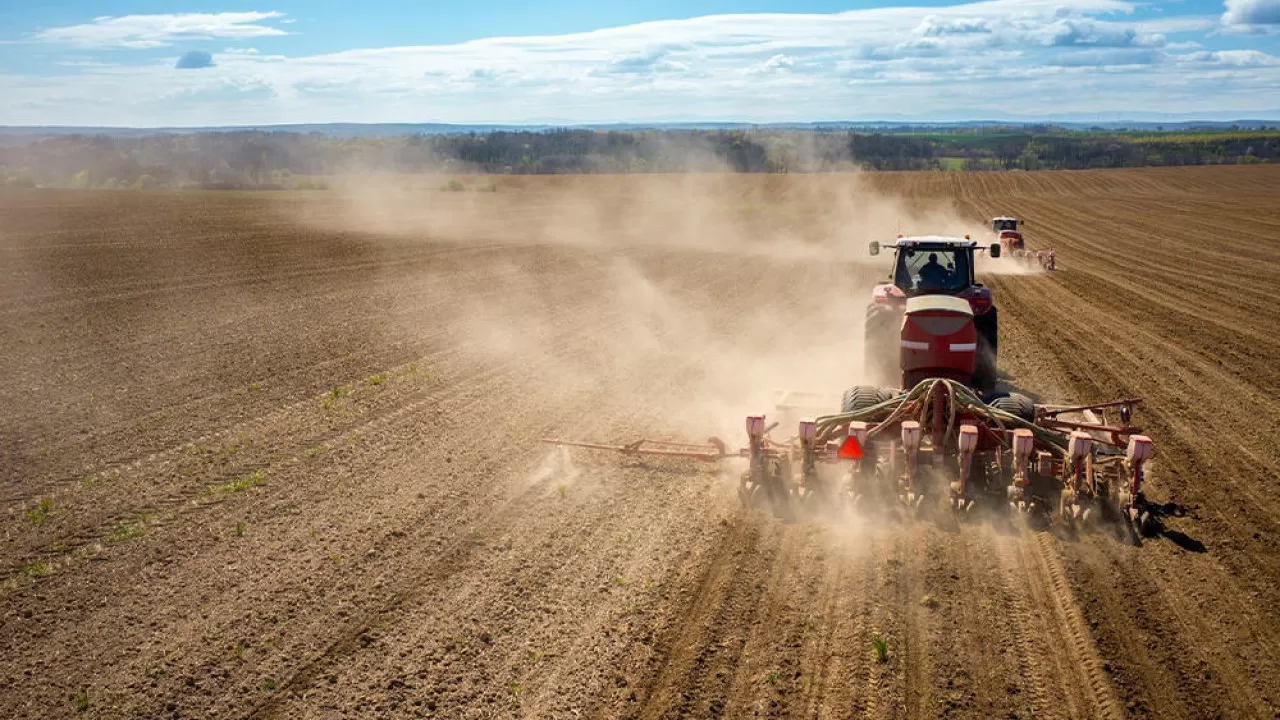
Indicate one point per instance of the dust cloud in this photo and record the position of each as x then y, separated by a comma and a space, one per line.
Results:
1009, 265
670, 304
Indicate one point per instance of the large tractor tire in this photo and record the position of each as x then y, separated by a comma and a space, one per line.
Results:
987, 327
1015, 404
866, 481
882, 346
859, 397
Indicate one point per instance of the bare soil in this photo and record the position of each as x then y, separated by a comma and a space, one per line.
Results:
277, 455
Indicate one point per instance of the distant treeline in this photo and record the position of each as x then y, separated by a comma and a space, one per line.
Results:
297, 160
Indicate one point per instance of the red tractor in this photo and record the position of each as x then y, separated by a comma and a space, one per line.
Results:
1005, 229
932, 319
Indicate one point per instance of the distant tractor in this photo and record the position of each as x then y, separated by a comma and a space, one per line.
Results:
932, 319
1006, 231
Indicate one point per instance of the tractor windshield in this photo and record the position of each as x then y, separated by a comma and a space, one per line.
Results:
1002, 225
938, 270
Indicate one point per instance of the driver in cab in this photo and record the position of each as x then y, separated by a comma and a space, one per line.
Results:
933, 274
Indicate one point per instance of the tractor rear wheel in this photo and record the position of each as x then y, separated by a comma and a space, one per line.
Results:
865, 480
881, 347
1015, 404
859, 397
987, 327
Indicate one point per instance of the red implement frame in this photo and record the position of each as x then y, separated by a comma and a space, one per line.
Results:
1050, 417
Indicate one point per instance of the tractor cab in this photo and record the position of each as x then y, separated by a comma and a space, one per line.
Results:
934, 265
1001, 224
1006, 231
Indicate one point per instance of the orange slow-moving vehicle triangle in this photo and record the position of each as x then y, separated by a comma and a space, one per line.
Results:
850, 450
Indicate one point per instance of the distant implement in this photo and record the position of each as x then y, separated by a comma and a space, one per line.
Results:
935, 422
1006, 231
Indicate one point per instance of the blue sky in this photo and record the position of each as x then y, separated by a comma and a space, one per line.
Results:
149, 63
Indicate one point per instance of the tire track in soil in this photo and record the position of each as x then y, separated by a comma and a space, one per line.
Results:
1189, 622
983, 606
696, 666
887, 692
917, 663
764, 680
1099, 699
1029, 646
837, 659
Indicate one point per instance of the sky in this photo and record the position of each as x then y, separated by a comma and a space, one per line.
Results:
145, 63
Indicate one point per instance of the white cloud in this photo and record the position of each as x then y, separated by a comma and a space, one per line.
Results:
1178, 24
1252, 12
643, 63
1068, 32
1106, 57
152, 31
974, 59
1232, 58
776, 63
934, 26
194, 60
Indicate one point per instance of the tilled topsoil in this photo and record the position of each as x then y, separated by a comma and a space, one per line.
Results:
278, 455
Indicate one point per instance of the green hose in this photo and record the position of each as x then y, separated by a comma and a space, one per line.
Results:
961, 397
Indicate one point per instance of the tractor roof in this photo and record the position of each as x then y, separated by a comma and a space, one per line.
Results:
935, 240
1004, 217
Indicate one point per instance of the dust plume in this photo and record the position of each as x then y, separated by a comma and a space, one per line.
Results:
1009, 265
675, 304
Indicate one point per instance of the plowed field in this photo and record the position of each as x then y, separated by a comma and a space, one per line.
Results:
277, 455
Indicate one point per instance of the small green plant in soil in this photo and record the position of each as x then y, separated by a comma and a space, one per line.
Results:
125, 530
38, 514
880, 647
514, 689
240, 484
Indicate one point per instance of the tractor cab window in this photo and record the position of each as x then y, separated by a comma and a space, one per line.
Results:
1002, 225
939, 270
